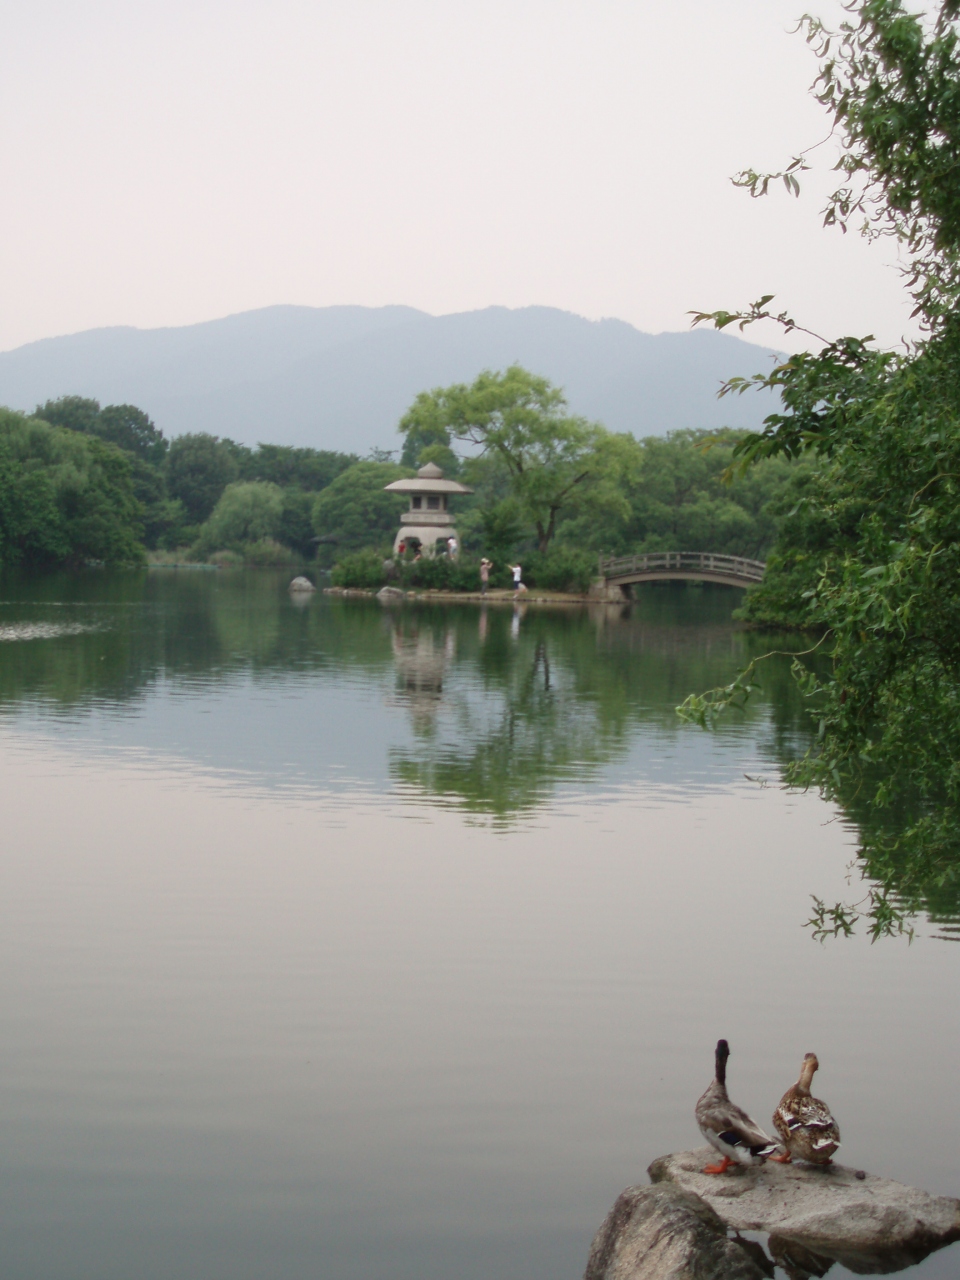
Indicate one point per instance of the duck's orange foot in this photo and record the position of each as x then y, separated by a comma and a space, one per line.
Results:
786, 1158
722, 1167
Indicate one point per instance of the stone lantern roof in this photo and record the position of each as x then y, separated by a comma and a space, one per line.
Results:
429, 479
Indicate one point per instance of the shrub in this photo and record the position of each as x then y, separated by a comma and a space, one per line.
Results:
560, 569
226, 559
267, 551
361, 569
441, 574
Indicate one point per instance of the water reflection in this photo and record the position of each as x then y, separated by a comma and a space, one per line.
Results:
544, 697
422, 656
368, 943
489, 709
549, 686
779, 1256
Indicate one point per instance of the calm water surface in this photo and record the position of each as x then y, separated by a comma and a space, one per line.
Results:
356, 943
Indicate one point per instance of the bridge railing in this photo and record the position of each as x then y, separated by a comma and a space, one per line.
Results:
688, 561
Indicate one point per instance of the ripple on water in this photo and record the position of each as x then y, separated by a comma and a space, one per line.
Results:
12, 631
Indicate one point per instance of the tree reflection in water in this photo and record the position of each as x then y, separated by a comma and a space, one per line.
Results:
543, 697
506, 703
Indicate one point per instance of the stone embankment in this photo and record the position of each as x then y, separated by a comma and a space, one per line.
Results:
680, 1226
498, 596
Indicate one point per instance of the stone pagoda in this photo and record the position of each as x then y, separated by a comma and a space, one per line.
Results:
428, 519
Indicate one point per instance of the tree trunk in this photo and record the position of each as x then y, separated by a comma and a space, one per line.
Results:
544, 535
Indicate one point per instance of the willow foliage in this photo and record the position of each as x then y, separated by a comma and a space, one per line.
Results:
869, 553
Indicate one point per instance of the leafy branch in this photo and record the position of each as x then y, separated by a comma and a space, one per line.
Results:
756, 311
704, 709
887, 920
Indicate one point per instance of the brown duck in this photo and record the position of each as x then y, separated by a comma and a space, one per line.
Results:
804, 1123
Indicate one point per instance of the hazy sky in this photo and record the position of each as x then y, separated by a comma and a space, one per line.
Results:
168, 161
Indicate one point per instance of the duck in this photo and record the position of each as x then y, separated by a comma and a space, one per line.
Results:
727, 1127
804, 1123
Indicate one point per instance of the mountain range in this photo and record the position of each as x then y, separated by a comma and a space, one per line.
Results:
341, 377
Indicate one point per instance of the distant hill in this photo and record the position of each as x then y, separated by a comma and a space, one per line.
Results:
341, 377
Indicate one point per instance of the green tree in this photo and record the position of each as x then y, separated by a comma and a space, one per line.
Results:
64, 497
247, 511
678, 498
296, 522
502, 528
428, 432
124, 425
198, 469
551, 457
77, 413
308, 469
354, 511
31, 528
130, 429
871, 555
158, 514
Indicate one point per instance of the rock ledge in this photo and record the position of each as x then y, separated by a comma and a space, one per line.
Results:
665, 1233
858, 1219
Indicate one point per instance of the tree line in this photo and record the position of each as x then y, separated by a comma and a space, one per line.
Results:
81, 483
547, 485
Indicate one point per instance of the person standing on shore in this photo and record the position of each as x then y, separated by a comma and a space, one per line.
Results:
517, 571
485, 567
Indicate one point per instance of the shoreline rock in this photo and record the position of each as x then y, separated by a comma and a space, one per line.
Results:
839, 1214
665, 1233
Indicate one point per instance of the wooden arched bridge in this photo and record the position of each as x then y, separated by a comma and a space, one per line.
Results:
664, 566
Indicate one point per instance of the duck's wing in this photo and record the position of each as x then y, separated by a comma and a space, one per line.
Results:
811, 1117
808, 1120
807, 1113
733, 1126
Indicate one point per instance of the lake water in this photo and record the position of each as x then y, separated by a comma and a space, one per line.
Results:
356, 943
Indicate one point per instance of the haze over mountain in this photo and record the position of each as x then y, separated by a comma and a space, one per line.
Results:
341, 377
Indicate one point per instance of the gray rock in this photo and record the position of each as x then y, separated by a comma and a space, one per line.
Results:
665, 1233
865, 1222
301, 584
390, 593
